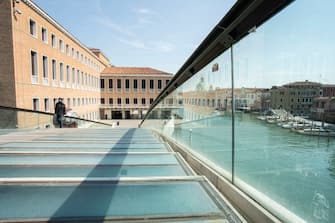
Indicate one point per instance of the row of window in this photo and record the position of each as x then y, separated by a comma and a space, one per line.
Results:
75, 54
204, 102
126, 101
79, 78
111, 83
69, 103
302, 93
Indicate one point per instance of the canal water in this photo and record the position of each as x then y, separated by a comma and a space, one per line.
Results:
296, 171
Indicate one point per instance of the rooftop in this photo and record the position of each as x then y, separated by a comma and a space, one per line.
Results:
302, 83
133, 70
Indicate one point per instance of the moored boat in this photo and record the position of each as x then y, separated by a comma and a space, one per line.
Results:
316, 132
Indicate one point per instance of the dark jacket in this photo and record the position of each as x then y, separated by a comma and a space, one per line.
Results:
60, 109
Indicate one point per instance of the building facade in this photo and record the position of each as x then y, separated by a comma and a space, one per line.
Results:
296, 98
328, 90
43, 62
127, 92
323, 109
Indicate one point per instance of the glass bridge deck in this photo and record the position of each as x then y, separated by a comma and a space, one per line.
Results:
102, 175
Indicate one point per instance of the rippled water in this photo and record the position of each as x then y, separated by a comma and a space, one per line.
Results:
295, 170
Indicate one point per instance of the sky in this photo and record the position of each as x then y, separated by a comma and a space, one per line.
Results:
143, 33
297, 44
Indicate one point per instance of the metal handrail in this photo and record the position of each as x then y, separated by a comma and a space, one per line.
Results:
51, 114
235, 25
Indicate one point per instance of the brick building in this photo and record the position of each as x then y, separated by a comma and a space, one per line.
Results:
296, 98
41, 61
127, 92
328, 90
323, 109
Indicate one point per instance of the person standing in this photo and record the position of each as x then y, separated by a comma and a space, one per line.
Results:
60, 112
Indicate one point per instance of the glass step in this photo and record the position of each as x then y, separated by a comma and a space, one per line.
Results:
79, 149
83, 145
106, 200
91, 171
88, 159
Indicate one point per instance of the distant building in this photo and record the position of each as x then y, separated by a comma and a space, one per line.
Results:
127, 92
246, 99
328, 90
296, 98
323, 109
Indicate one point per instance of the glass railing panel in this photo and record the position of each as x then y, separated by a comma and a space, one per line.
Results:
285, 139
198, 114
16, 119
284, 95
19, 119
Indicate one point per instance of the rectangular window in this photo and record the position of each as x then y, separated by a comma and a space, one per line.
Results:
159, 84
110, 83
78, 101
33, 59
46, 104
54, 74
127, 101
110, 101
135, 101
143, 84
73, 75
67, 49
45, 67
102, 83
151, 100
127, 83
73, 52
151, 84
44, 35
69, 102
53, 40
61, 72
73, 102
166, 82
78, 78
67, 73
118, 83
135, 84
36, 104
102, 101
32, 27
119, 101
61, 46
143, 101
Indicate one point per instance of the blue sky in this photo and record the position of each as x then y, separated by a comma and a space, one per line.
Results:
144, 33
297, 44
